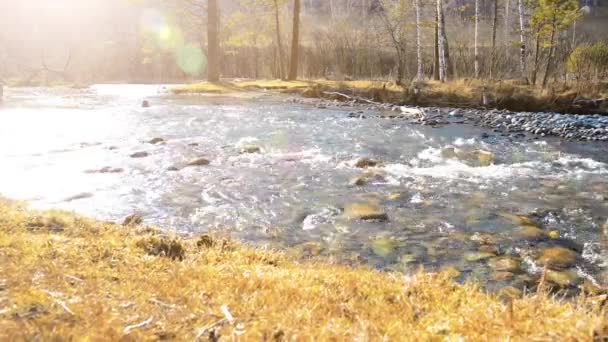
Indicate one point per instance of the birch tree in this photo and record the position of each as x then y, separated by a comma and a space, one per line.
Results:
420, 66
522, 38
442, 43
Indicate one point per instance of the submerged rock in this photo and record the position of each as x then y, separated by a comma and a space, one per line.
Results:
365, 163
250, 149
485, 158
367, 177
155, 141
563, 279
477, 256
198, 162
558, 258
133, 220
364, 211
507, 264
530, 233
106, 169
79, 196
142, 154
385, 246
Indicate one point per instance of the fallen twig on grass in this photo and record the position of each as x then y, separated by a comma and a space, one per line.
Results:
138, 325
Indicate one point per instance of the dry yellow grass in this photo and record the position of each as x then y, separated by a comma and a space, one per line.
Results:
65, 277
508, 94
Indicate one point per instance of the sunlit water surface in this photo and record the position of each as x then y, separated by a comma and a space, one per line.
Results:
293, 191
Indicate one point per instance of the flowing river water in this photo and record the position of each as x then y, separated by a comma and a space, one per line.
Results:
446, 206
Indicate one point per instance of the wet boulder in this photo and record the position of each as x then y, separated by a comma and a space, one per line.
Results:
106, 169
368, 177
364, 163
133, 220
198, 162
505, 264
142, 154
365, 212
563, 279
250, 149
155, 141
557, 258
530, 233
477, 256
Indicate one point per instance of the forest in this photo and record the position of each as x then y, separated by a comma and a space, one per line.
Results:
167, 41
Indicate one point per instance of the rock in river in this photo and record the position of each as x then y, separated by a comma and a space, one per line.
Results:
250, 149
199, 162
142, 154
558, 258
364, 211
365, 163
505, 264
530, 233
155, 141
563, 279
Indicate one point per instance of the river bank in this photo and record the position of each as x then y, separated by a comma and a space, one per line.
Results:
509, 95
66, 276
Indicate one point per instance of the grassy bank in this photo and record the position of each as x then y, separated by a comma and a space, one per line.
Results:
63, 276
464, 93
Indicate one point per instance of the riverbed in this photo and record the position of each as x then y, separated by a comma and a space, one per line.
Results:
289, 174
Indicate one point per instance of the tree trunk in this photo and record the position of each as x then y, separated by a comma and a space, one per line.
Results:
536, 57
279, 41
295, 42
420, 69
436, 51
494, 27
522, 39
213, 49
551, 52
507, 24
443, 57
476, 38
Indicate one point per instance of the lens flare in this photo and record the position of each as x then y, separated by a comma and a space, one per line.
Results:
191, 59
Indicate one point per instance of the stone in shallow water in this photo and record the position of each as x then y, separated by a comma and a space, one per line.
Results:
477, 256
198, 162
510, 292
530, 233
563, 279
250, 149
501, 276
505, 264
449, 152
368, 176
133, 220
140, 154
384, 246
364, 211
516, 219
365, 163
155, 141
558, 258
485, 158
451, 272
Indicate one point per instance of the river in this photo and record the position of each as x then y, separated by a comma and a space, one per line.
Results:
446, 206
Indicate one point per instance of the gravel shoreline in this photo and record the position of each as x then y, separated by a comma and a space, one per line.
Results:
570, 127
